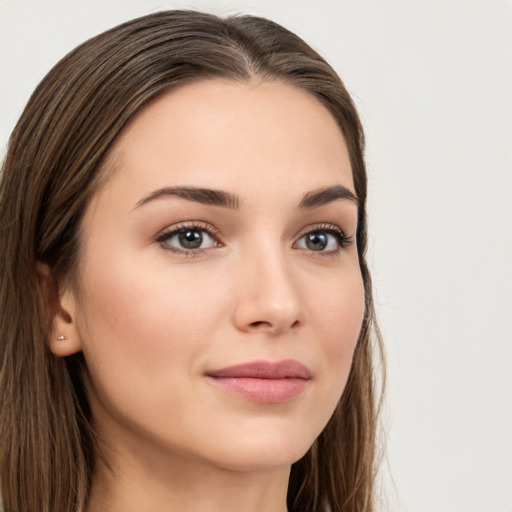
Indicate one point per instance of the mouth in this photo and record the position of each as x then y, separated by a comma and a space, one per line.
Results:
263, 381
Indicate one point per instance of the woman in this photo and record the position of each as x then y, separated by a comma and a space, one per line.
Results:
186, 307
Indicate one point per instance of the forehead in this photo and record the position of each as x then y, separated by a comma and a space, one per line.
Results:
223, 134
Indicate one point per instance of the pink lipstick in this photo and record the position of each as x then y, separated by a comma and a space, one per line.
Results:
263, 381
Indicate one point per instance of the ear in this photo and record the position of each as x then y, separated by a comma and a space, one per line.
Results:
64, 338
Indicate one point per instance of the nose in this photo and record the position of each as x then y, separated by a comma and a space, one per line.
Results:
268, 294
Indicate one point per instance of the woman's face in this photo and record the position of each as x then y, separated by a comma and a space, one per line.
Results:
219, 295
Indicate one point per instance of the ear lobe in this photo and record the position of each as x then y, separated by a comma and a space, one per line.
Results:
63, 336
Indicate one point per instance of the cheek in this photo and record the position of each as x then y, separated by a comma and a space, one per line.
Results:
338, 316
340, 311
144, 305
141, 328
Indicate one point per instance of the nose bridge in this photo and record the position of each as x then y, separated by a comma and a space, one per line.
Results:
268, 295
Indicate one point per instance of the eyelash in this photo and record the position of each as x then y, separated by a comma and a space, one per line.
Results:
171, 232
342, 239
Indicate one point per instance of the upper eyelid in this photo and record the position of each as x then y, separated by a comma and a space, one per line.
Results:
321, 226
198, 225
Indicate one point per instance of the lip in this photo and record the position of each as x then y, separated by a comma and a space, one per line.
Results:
263, 381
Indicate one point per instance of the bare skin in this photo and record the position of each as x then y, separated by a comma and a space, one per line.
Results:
225, 236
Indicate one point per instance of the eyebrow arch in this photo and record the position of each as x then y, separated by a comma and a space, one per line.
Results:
322, 196
199, 195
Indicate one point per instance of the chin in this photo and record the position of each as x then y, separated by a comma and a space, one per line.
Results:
258, 451
261, 460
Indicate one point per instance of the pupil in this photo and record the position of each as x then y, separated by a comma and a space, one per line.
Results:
316, 241
191, 239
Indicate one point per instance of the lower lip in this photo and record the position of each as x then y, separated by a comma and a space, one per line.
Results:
270, 391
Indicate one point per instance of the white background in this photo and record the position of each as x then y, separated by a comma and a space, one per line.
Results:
433, 82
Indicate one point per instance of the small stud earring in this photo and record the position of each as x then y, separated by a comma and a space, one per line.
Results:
62, 338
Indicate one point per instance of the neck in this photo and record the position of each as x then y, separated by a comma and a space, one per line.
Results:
173, 483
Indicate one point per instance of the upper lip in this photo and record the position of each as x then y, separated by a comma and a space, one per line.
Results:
286, 369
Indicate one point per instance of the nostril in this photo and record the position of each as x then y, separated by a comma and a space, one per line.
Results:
269, 325
259, 323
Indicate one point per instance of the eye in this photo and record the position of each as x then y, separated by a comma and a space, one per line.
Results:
187, 239
323, 239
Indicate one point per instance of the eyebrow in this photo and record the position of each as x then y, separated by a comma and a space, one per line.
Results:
322, 196
313, 199
199, 195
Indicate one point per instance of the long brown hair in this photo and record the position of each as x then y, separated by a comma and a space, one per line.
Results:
53, 166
